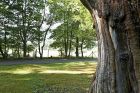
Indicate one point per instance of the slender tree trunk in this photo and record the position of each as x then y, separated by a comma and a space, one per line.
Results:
5, 45
77, 47
118, 27
82, 54
40, 50
35, 53
41, 55
24, 48
70, 43
67, 33
66, 49
24, 30
18, 52
2, 53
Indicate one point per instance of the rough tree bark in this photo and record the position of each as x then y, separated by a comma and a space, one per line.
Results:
118, 32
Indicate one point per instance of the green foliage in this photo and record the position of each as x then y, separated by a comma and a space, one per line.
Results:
30, 48
22, 20
76, 23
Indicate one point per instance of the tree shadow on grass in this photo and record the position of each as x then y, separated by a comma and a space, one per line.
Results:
44, 83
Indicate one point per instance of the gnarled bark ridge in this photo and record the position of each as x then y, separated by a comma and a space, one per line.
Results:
118, 31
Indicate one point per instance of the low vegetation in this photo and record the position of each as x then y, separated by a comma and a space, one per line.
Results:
70, 77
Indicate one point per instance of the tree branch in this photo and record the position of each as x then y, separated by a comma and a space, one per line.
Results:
87, 4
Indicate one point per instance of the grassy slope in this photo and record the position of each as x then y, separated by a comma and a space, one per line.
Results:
72, 77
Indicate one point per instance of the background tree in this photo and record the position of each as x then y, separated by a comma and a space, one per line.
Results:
6, 24
68, 36
20, 21
41, 33
27, 22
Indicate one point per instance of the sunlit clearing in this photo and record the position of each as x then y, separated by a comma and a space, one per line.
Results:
42, 71
18, 71
69, 68
67, 72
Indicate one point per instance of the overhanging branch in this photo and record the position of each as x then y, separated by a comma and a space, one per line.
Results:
87, 4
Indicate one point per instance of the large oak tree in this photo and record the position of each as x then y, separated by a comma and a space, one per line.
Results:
118, 32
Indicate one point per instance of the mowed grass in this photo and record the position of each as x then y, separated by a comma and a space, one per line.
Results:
70, 77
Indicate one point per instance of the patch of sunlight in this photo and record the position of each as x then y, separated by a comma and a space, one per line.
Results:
69, 68
65, 72
48, 72
21, 71
45, 71
73, 63
25, 70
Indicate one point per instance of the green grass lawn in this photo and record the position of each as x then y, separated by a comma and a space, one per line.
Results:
71, 77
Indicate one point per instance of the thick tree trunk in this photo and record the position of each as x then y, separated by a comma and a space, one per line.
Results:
118, 34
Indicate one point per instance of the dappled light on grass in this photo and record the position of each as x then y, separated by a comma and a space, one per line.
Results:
57, 68
18, 71
67, 72
48, 78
